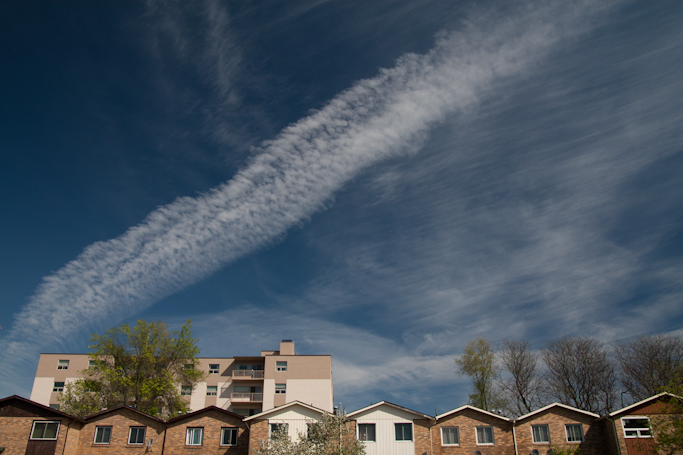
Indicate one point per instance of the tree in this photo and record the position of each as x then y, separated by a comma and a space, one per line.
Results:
648, 364
145, 367
580, 373
478, 362
331, 435
522, 385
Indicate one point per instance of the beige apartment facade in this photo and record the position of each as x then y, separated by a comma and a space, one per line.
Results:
243, 385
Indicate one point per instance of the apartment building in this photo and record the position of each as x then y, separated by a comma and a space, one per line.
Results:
242, 385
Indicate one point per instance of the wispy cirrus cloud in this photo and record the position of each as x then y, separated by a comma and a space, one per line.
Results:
292, 176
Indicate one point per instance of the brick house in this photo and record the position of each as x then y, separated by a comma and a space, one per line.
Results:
470, 430
558, 426
211, 430
33, 429
120, 430
629, 431
390, 429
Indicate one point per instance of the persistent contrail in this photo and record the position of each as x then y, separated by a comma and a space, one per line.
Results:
291, 176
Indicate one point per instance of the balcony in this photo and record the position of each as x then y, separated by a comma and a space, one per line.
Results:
237, 397
247, 374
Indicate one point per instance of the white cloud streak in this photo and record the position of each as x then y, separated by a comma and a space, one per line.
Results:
292, 176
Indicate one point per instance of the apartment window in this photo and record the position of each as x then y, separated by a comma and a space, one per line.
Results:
450, 436
45, 430
55, 407
186, 390
228, 436
574, 432
102, 435
281, 366
213, 368
280, 388
189, 366
279, 428
636, 427
194, 436
484, 436
58, 387
211, 390
92, 363
404, 431
366, 432
63, 365
136, 435
540, 434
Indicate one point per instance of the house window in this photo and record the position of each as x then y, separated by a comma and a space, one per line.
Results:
136, 435
211, 390
366, 432
540, 434
636, 427
194, 436
280, 388
45, 430
58, 387
102, 435
213, 368
450, 436
312, 430
404, 431
228, 436
186, 390
484, 436
279, 428
63, 365
281, 366
574, 432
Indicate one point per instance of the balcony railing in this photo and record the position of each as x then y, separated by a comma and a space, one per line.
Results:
247, 374
237, 397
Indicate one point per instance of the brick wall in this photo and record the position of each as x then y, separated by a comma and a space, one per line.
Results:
212, 421
466, 421
258, 431
421, 436
15, 434
120, 421
556, 418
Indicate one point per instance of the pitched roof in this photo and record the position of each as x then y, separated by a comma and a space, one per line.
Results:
285, 406
42, 407
646, 400
560, 405
386, 403
122, 406
467, 406
206, 409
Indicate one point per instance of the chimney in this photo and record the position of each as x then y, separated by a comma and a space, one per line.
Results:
286, 347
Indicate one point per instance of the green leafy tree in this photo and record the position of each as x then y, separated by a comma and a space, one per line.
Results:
668, 427
331, 435
143, 367
478, 362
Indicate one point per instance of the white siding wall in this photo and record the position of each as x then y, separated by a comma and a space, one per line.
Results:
268, 394
316, 392
384, 419
198, 397
42, 388
223, 397
297, 418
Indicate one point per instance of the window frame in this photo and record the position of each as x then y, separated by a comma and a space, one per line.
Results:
485, 427
403, 425
457, 433
211, 393
281, 365
58, 388
215, 370
566, 427
193, 430
97, 430
224, 430
367, 425
184, 390
282, 389
137, 433
63, 366
637, 429
46, 422
272, 426
533, 433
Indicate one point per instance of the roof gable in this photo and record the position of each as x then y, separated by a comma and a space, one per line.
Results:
16, 406
471, 408
309, 409
203, 410
391, 407
646, 401
118, 409
556, 405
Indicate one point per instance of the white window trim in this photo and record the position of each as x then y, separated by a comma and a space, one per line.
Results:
187, 437
624, 429
231, 429
211, 393
566, 434
214, 370
450, 445
282, 390
533, 439
94, 439
270, 428
130, 433
412, 433
493, 436
358, 424
33, 428
63, 366
281, 367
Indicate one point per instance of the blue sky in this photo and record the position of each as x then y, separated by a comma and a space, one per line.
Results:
380, 181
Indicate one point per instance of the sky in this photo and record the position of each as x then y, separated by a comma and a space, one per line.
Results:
382, 181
